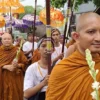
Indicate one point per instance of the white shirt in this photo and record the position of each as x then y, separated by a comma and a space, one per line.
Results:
58, 51
33, 76
27, 46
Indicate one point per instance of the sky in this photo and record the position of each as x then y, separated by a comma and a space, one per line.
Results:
31, 2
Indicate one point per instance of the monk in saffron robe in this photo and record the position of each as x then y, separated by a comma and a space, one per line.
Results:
11, 72
36, 56
70, 79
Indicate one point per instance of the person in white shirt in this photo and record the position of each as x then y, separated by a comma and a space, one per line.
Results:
36, 76
57, 54
28, 46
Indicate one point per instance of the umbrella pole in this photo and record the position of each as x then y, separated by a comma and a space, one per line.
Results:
67, 23
34, 23
11, 22
48, 32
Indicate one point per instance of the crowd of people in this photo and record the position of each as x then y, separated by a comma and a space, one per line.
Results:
24, 68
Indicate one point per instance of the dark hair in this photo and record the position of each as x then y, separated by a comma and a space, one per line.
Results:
44, 37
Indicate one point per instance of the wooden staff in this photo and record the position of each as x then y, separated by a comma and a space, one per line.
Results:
10, 22
33, 25
48, 32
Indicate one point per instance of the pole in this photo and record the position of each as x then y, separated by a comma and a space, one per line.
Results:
67, 23
33, 25
10, 22
48, 32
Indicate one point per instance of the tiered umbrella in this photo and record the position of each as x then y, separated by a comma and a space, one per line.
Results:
9, 21
8, 5
56, 17
19, 24
2, 21
29, 19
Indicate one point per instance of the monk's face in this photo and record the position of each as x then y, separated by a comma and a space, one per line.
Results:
89, 34
6, 39
56, 36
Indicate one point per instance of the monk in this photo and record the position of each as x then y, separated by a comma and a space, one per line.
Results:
11, 70
36, 56
70, 79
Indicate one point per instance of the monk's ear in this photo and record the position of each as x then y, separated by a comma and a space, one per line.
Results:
75, 36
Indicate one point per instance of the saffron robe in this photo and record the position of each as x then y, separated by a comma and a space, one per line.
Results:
36, 56
70, 79
11, 83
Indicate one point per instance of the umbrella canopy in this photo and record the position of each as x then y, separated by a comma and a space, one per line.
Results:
19, 10
2, 21
5, 6
19, 24
29, 19
10, 3
8, 21
56, 17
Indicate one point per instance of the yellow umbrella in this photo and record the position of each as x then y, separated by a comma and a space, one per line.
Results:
2, 21
4, 9
19, 10
56, 17
15, 3
5, 6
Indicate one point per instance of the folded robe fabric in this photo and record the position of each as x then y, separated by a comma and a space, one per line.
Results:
11, 83
70, 79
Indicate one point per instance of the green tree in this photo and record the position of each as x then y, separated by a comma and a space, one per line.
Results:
60, 3
38, 9
28, 10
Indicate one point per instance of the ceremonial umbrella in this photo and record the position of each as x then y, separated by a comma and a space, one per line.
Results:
56, 17
8, 5
29, 19
8, 21
2, 21
19, 10
19, 24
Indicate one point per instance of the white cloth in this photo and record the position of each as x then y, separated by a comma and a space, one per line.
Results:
27, 46
58, 51
33, 76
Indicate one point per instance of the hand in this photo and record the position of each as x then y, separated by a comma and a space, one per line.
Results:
61, 56
45, 81
9, 67
15, 63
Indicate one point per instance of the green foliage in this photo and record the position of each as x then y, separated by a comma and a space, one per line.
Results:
60, 3
28, 10
38, 9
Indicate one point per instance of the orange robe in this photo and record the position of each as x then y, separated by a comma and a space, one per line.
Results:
11, 83
36, 56
71, 42
70, 79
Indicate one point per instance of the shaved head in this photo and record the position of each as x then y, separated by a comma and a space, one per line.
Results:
6, 39
84, 19
6, 35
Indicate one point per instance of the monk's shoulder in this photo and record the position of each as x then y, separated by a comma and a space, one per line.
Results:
61, 67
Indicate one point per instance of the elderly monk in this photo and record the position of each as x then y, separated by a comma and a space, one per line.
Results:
11, 71
70, 79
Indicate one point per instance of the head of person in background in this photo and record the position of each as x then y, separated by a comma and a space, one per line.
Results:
36, 38
30, 37
42, 46
55, 34
7, 39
